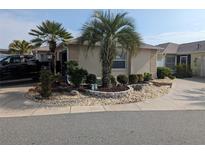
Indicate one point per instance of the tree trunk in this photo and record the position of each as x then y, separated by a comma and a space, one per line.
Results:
106, 73
52, 47
54, 63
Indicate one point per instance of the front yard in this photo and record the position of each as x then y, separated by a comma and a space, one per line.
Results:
185, 94
137, 93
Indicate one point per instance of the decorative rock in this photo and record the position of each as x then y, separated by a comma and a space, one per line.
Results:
74, 93
103, 94
103, 98
38, 97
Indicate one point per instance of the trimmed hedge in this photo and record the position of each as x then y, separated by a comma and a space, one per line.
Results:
183, 71
147, 76
113, 80
91, 79
123, 79
133, 79
163, 72
140, 77
77, 75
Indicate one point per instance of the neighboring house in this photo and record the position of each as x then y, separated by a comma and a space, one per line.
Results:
144, 61
4, 52
167, 56
191, 54
41, 53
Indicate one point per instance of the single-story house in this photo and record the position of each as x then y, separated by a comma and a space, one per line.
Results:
4, 52
144, 61
167, 56
191, 54
41, 53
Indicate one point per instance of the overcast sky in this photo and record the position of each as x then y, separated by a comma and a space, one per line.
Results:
155, 26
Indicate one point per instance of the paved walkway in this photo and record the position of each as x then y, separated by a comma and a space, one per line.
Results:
186, 94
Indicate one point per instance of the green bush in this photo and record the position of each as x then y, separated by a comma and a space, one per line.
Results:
76, 74
163, 72
113, 80
172, 77
133, 79
183, 71
71, 66
140, 77
46, 80
123, 79
147, 76
91, 79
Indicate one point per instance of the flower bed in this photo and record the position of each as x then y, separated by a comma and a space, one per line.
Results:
115, 92
137, 93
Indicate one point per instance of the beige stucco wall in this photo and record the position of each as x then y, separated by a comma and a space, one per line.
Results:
73, 52
90, 60
197, 64
144, 61
153, 64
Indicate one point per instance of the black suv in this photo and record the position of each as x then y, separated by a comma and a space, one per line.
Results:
18, 67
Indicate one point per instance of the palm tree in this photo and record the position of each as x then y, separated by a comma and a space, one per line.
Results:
20, 47
111, 31
51, 33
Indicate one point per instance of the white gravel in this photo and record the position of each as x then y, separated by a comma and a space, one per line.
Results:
147, 92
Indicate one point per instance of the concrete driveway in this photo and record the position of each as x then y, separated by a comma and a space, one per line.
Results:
186, 94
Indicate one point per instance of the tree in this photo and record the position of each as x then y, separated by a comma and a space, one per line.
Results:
20, 47
110, 30
51, 33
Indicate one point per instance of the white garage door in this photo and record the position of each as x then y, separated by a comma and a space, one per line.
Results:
203, 66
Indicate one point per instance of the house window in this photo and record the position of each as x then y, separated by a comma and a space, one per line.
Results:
170, 61
120, 60
183, 60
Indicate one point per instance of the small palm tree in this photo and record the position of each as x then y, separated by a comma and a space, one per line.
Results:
111, 31
51, 33
20, 47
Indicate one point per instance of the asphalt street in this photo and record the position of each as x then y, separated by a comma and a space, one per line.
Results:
142, 127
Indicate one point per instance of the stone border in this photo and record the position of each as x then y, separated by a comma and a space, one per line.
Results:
103, 94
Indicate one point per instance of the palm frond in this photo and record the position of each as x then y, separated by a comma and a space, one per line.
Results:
20, 47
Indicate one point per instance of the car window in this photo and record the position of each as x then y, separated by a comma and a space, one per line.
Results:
2, 57
7, 59
15, 60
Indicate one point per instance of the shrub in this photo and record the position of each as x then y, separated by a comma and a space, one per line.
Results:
71, 66
76, 74
172, 77
91, 79
113, 80
123, 79
183, 71
163, 72
46, 80
58, 78
133, 79
99, 81
147, 76
140, 77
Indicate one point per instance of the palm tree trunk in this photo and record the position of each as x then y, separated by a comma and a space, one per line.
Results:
106, 73
52, 46
54, 63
